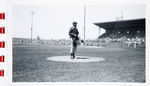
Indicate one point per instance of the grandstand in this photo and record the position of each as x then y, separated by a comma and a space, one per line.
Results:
128, 32
124, 28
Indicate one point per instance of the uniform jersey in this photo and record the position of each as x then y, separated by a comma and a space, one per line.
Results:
73, 33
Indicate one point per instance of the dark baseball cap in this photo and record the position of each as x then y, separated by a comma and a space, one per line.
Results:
74, 22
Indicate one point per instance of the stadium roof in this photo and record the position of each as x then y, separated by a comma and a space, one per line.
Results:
134, 23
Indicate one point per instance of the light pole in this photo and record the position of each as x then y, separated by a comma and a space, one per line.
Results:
121, 14
84, 20
32, 13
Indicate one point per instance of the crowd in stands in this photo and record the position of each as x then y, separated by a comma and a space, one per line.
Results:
124, 39
130, 42
130, 38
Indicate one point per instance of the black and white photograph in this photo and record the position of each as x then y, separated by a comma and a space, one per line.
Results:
79, 43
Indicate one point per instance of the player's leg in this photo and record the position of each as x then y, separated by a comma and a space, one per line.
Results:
71, 49
74, 51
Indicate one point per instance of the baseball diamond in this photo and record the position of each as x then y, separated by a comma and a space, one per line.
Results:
121, 64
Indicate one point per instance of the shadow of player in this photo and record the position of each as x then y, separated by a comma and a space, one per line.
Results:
82, 58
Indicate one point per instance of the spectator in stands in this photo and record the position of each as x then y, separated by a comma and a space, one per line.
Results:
129, 41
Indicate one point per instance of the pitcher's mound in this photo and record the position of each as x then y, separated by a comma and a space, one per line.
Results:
77, 59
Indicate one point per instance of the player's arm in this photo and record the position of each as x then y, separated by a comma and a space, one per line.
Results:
70, 33
77, 32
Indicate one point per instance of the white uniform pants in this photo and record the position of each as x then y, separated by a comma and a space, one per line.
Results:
73, 47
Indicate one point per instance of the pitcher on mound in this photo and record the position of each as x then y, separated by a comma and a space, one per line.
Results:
73, 33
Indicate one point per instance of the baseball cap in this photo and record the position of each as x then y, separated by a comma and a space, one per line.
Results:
74, 22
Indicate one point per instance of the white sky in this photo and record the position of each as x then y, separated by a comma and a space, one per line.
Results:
54, 21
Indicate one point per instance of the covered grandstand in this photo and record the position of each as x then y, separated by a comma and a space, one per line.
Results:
124, 32
124, 28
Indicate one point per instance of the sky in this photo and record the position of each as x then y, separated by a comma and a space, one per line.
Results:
54, 21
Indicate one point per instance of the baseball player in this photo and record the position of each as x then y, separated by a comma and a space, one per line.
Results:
73, 33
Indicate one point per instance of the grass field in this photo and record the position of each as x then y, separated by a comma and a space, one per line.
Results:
121, 65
